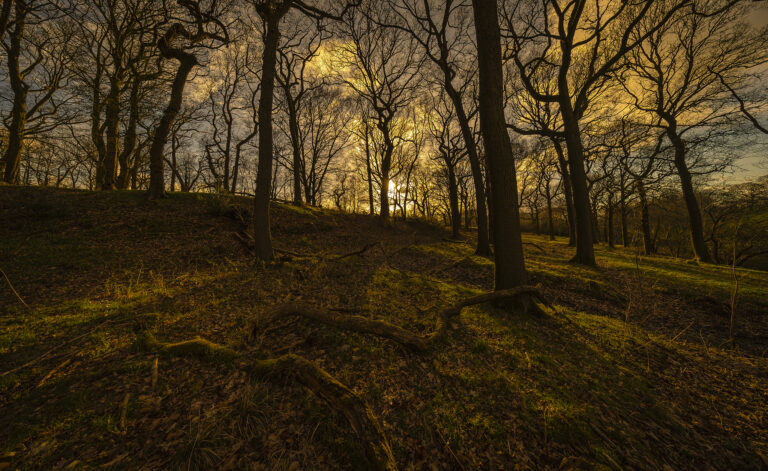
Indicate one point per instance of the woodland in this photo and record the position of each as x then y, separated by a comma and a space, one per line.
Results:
384, 234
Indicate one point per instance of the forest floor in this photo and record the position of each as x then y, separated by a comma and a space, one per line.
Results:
630, 370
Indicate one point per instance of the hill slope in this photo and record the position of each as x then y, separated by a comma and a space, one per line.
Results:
629, 371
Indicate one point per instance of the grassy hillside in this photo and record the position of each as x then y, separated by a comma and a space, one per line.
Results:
629, 370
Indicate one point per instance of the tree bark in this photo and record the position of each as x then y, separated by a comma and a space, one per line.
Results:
509, 262
12, 156
262, 234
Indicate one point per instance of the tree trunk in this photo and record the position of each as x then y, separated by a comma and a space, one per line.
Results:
386, 163
112, 124
585, 254
384, 195
509, 262
488, 191
368, 171
594, 219
700, 249
130, 137
645, 222
550, 220
174, 170
156, 159
96, 132
293, 126
483, 244
565, 175
623, 219
609, 222
12, 156
453, 197
262, 235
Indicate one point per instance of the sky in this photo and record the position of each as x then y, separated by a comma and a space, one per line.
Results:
756, 165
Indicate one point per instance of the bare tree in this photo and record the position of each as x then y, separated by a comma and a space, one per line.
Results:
303, 44
675, 79
442, 30
381, 67
271, 14
37, 60
580, 44
324, 136
209, 31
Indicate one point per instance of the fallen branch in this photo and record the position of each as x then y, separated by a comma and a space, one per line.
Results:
360, 417
389, 331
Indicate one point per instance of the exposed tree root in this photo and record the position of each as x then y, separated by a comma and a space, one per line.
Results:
389, 331
365, 424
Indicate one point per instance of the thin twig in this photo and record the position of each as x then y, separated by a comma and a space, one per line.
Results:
14, 290
683, 331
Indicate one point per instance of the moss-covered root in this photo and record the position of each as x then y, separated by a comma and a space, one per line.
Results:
389, 331
367, 427
365, 424
197, 347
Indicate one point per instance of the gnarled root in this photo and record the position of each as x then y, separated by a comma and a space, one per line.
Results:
389, 331
360, 417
